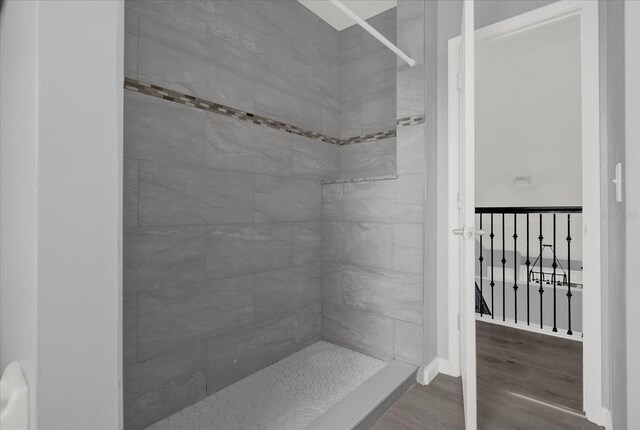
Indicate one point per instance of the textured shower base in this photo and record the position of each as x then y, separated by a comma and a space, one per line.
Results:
288, 394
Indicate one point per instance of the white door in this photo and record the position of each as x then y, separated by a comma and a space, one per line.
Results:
466, 216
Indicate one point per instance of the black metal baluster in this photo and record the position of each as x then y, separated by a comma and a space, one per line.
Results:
515, 268
528, 263
569, 332
554, 265
481, 259
504, 282
493, 311
541, 290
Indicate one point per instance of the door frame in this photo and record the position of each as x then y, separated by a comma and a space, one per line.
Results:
592, 326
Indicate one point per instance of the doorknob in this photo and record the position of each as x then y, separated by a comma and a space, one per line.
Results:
468, 232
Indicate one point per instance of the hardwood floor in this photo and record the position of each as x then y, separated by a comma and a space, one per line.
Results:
526, 381
535, 365
438, 406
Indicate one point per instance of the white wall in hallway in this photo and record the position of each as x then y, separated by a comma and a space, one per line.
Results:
528, 112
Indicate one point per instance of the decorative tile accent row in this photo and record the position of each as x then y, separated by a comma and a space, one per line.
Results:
196, 102
185, 99
369, 137
371, 178
411, 120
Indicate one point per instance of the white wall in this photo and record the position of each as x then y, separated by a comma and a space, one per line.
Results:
632, 94
18, 189
72, 215
528, 117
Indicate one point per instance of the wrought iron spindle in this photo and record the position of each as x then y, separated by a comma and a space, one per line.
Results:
569, 332
493, 312
504, 281
515, 268
528, 263
481, 259
554, 265
541, 290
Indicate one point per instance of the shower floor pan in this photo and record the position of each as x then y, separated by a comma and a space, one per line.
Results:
323, 386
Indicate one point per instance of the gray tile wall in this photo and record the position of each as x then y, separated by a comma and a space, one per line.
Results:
222, 240
368, 98
231, 244
372, 232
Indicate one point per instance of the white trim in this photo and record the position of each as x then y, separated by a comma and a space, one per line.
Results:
429, 372
592, 326
453, 221
546, 330
607, 419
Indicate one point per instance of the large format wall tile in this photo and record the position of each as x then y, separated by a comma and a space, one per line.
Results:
239, 145
398, 200
238, 353
174, 319
131, 44
237, 249
181, 62
359, 243
362, 331
410, 152
287, 198
307, 242
332, 202
163, 385
407, 340
312, 157
362, 160
408, 248
187, 16
129, 329
163, 258
307, 323
281, 291
332, 283
172, 194
130, 192
356, 43
160, 130
395, 295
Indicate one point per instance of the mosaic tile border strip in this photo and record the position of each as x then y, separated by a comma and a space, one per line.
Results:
345, 181
196, 102
411, 120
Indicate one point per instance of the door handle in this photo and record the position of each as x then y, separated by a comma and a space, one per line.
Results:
468, 232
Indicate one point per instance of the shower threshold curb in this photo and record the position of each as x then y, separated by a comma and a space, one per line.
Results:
361, 408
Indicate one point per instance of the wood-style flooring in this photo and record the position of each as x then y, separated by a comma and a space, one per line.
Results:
438, 406
526, 381
535, 365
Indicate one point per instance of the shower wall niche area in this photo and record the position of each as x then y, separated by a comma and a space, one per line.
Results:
242, 242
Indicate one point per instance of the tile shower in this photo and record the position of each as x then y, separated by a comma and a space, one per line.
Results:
250, 234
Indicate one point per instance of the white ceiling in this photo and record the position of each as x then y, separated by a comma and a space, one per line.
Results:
365, 9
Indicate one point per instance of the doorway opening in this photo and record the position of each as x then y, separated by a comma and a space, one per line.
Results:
537, 231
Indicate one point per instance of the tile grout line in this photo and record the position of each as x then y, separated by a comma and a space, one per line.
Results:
198, 103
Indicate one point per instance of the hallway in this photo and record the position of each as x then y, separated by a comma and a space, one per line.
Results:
438, 406
525, 381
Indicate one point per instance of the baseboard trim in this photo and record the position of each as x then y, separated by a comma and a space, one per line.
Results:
430, 371
607, 419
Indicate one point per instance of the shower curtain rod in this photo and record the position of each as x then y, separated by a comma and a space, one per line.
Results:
375, 33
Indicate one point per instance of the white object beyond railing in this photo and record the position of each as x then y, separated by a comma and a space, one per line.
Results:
14, 399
